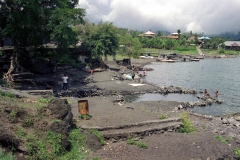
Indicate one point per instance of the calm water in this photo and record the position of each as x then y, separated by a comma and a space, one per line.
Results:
221, 74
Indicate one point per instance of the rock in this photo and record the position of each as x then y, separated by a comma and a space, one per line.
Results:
225, 121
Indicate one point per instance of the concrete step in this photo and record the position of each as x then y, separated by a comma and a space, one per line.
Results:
138, 130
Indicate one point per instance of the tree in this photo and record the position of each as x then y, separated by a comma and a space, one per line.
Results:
100, 39
159, 33
30, 23
179, 33
107, 39
170, 43
130, 46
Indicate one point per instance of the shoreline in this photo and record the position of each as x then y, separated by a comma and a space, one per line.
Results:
111, 111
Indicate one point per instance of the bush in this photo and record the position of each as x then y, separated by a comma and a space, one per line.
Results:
6, 156
187, 124
222, 51
237, 152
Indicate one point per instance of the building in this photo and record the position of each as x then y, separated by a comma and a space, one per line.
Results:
148, 34
172, 36
232, 45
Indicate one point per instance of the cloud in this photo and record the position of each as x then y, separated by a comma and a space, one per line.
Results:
209, 17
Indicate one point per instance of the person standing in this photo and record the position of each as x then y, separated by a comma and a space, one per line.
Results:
65, 82
216, 93
143, 72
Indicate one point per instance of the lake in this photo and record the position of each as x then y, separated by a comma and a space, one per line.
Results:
222, 74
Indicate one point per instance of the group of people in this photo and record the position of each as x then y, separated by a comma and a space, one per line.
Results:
207, 94
135, 70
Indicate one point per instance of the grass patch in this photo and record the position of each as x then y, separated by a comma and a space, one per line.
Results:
98, 135
187, 124
145, 109
221, 139
138, 144
7, 94
20, 132
237, 152
50, 146
45, 100
78, 150
6, 156
41, 145
162, 116
28, 121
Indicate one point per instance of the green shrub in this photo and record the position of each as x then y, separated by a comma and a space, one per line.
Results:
49, 54
163, 116
28, 121
237, 152
6, 156
38, 54
20, 132
187, 124
13, 114
222, 51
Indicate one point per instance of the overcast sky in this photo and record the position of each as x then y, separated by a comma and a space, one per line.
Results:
207, 16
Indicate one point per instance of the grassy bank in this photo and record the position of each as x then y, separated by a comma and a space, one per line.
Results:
39, 144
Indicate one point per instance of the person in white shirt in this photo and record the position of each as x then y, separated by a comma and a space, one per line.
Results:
65, 82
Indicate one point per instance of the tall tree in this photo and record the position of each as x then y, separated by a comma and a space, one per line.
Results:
31, 22
179, 33
100, 39
130, 46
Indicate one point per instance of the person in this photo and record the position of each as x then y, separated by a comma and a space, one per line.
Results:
133, 68
205, 91
136, 70
91, 71
216, 93
143, 72
65, 82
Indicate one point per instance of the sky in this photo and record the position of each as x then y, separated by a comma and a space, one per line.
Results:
198, 16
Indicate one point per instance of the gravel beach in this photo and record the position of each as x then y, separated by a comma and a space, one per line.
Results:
106, 111
200, 144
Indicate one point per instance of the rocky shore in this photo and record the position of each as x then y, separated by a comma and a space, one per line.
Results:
119, 120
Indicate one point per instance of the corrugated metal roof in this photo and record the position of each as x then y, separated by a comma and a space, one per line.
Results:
232, 43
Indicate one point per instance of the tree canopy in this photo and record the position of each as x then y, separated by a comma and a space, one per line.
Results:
130, 46
98, 40
30, 23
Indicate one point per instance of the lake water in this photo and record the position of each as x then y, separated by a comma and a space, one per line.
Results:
222, 74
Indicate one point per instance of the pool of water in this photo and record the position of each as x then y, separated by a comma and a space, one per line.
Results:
159, 97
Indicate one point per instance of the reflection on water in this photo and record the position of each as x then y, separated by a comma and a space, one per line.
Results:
159, 97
